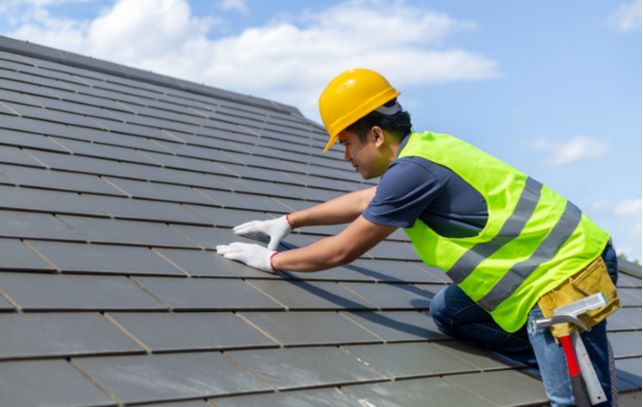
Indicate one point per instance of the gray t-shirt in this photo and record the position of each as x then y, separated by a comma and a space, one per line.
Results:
414, 187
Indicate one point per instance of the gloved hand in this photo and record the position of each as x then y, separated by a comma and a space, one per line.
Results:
250, 254
276, 229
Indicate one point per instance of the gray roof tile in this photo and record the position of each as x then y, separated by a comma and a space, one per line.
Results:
82, 293
130, 129
22, 139
14, 155
53, 383
625, 344
292, 205
476, 356
34, 225
161, 192
34, 177
88, 165
125, 231
4, 304
630, 297
625, 318
342, 273
396, 271
305, 295
52, 115
410, 359
225, 217
104, 151
310, 328
207, 237
524, 389
169, 377
191, 331
395, 296
68, 334
42, 127
625, 280
301, 398
141, 209
628, 372
191, 403
192, 152
208, 263
72, 257
305, 367
416, 393
207, 294
397, 325
52, 103
244, 201
16, 256
46, 201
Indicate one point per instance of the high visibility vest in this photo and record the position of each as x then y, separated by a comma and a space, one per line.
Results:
534, 239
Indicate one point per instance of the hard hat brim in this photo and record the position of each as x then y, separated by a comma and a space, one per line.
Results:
330, 143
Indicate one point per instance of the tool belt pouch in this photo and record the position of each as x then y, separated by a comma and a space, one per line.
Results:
591, 280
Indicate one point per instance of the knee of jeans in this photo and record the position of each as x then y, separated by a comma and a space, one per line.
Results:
438, 310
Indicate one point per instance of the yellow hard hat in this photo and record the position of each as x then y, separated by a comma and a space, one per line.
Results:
349, 97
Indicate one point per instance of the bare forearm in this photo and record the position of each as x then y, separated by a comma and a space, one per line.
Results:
359, 237
321, 255
343, 209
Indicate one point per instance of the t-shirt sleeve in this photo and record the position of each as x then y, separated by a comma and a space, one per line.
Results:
405, 190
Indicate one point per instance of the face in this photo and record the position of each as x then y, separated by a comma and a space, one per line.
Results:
368, 158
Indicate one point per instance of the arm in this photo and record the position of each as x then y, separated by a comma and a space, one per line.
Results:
359, 237
340, 210
343, 209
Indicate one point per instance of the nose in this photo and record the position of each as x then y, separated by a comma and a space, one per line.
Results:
347, 154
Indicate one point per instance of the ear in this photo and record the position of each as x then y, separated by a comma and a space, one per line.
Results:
377, 135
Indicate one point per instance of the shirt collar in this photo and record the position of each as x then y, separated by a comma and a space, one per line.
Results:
403, 144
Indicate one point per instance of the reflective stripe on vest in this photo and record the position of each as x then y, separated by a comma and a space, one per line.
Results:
533, 241
510, 230
545, 252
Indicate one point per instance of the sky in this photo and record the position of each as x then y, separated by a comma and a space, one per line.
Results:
551, 87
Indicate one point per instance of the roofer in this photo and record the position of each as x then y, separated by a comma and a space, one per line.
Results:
515, 248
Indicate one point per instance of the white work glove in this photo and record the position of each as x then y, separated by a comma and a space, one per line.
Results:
276, 229
250, 254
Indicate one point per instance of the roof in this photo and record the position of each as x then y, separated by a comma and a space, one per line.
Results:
115, 186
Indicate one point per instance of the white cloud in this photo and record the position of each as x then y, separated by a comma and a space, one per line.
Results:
289, 60
599, 205
629, 208
238, 5
575, 150
626, 17
541, 144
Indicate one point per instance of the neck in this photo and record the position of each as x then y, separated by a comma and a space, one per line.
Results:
396, 144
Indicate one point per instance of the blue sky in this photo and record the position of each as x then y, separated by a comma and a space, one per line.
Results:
552, 87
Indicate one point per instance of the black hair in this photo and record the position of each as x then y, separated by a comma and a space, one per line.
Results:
398, 124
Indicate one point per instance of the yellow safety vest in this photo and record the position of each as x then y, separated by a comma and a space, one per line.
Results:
534, 239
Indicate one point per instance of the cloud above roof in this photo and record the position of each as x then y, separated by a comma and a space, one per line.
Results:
626, 17
571, 151
289, 60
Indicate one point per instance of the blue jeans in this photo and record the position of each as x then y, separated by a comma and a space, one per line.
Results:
458, 316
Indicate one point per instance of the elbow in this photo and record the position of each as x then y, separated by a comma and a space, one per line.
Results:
343, 256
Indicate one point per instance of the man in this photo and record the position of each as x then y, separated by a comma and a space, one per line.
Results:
512, 246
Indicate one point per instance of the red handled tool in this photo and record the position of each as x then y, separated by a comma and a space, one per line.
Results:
586, 387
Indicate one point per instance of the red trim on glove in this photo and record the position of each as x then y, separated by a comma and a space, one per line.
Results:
271, 266
289, 222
